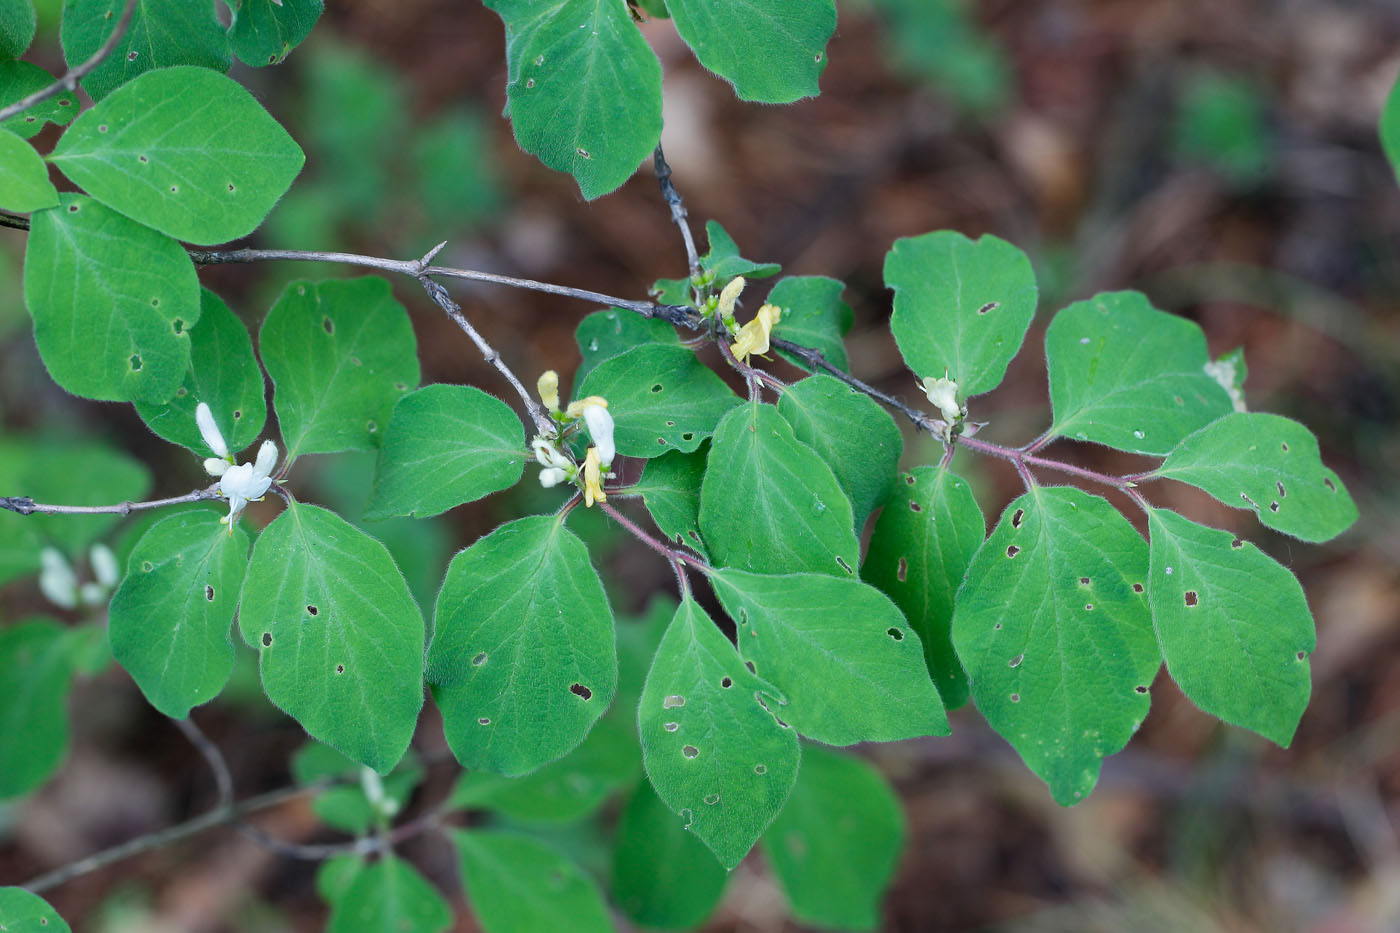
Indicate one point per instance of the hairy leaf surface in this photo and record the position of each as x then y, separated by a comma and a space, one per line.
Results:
516, 884
670, 487
264, 32
389, 894
20, 79
605, 334
162, 33
17, 25
771, 51
24, 178
663, 876
814, 316
24, 912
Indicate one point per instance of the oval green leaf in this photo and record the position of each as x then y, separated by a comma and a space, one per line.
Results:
670, 487
264, 32
516, 884
922, 543
814, 316
711, 746
170, 618
341, 353
1124, 374
848, 663
184, 150
20, 79
605, 334
112, 302
389, 894
771, 51
446, 445
24, 912
1233, 625
661, 398
17, 25
523, 660
339, 638
36, 670
1270, 464
1053, 628
663, 877
161, 33
961, 307
24, 178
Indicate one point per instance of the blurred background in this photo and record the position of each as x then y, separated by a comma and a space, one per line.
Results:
1220, 157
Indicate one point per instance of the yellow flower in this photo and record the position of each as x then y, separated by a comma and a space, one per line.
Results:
592, 479
728, 297
753, 337
548, 387
575, 409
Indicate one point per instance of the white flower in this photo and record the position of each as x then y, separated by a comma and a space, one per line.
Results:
56, 579
552, 476
92, 594
547, 455
104, 565
600, 428
247, 482
944, 394
211, 434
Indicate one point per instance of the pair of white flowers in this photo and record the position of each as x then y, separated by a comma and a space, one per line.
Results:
59, 583
239, 483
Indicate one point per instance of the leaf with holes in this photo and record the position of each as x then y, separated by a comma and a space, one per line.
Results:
224, 374
446, 445
603, 335
184, 150
20, 79
562, 791
723, 261
24, 178
584, 88
1124, 374
341, 353
961, 307
170, 618
661, 398
814, 316
36, 670
839, 650
264, 32
710, 743
670, 487
922, 543
17, 25
769, 503
1053, 628
112, 302
516, 884
772, 51
852, 433
1233, 625
522, 659
389, 894
835, 846
663, 877
161, 33
339, 638
1270, 464
24, 912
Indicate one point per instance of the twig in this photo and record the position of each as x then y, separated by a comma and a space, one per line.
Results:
27, 506
677, 558
818, 360
70, 79
678, 211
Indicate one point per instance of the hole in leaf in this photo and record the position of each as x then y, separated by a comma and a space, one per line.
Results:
726, 682
1015, 698
371, 426
484, 721
1016, 518
997, 627
584, 154
1284, 445
529, 82
909, 479
147, 566
181, 392
656, 388
902, 571
1329, 485
1302, 655
915, 507
340, 668
237, 413
479, 660
312, 611
661, 441
580, 691
101, 127
1088, 607
1169, 571
1191, 598
989, 306
673, 701
1273, 506
753, 669
174, 189
328, 325
1282, 493
267, 639
209, 593
671, 726
760, 769
1137, 587
690, 751
1012, 551
688, 436
1141, 688
894, 633
400, 387
670, 424
1083, 581
711, 799
1237, 544
72, 208
841, 562
357, 361
1245, 497
177, 325
131, 56
142, 159
1016, 661
136, 362
230, 186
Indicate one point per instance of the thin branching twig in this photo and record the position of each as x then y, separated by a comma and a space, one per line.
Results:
70, 79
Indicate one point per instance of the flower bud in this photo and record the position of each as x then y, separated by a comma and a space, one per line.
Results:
210, 431
548, 387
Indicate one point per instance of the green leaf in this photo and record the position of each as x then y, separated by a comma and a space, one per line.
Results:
389, 894
516, 884
264, 32
23, 912
112, 302
772, 51
339, 638
349, 809
961, 307
723, 261
340, 353
637, 639
170, 618
17, 25
24, 178
458, 179
663, 877
1233, 625
1390, 128
224, 374
769, 503
661, 398
584, 88
670, 487
840, 651
835, 846
1053, 628
814, 316
852, 433
1220, 122
710, 743
162, 33
672, 291
317, 761
562, 791
184, 150
522, 658
334, 876
1124, 374
940, 42
920, 549
446, 445
36, 670
605, 334
20, 79
1269, 464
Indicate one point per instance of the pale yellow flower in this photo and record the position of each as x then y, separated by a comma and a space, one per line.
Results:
548, 387
754, 336
592, 479
575, 409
